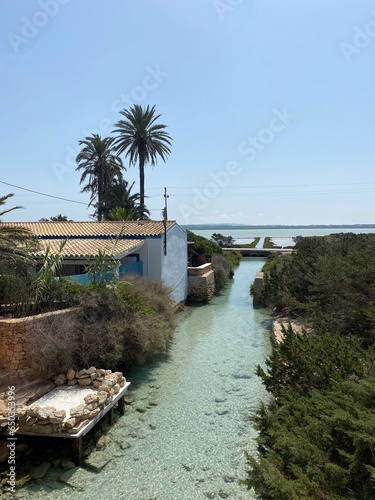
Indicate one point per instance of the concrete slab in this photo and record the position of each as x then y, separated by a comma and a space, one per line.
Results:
66, 397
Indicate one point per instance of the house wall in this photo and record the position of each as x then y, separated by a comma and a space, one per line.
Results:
170, 268
174, 264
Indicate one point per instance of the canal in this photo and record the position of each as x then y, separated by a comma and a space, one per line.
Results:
186, 433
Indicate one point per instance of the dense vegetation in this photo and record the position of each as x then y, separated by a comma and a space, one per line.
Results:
317, 434
117, 325
203, 250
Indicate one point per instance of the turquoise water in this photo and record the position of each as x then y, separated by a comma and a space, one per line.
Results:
185, 435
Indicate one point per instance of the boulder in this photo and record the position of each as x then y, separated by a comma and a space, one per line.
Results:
70, 423
60, 379
91, 370
91, 398
77, 411
97, 460
74, 381
84, 381
71, 374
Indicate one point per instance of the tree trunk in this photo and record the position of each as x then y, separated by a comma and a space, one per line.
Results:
141, 179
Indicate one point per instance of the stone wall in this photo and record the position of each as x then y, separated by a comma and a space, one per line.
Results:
258, 289
201, 283
15, 336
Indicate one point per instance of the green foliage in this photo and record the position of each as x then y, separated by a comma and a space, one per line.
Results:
222, 241
234, 257
142, 139
268, 243
117, 326
329, 280
119, 203
100, 165
202, 246
15, 242
56, 218
270, 263
316, 437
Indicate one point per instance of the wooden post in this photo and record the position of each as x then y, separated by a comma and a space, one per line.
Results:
121, 405
77, 450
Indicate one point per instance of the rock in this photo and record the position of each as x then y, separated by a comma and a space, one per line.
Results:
91, 398
84, 381
125, 445
77, 411
91, 370
67, 464
93, 413
102, 396
129, 400
96, 384
220, 400
74, 381
60, 379
71, 374
101, 443
77, 478
70, 423
81, 373
100, 372
40, 471
57, 417
97, 460
23, 480
78, 427
56, 462
116, 388
141, 409
221, 412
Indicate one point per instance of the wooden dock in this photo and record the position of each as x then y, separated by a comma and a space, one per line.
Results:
77, 438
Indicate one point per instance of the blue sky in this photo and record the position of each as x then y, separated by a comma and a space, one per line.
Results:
271, 104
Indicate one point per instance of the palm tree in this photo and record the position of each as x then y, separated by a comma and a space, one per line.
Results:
142, 140
15, 242
119, 195
100, 164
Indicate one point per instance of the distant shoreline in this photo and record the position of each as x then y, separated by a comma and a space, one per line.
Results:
244, 226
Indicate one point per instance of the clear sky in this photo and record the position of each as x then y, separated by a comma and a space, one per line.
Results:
271, 104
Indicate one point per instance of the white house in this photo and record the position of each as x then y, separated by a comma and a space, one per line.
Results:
154, 249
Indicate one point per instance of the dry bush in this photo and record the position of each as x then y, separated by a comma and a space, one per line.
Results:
125, 323
222, 271
54, 343
118, 325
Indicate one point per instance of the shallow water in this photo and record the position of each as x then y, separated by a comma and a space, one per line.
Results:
186, 433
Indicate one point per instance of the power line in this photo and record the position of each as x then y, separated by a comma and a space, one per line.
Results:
43, 194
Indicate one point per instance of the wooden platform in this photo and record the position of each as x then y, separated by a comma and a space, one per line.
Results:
77, 437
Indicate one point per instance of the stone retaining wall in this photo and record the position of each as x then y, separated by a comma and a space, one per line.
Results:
201, 283
15, 335
258, 289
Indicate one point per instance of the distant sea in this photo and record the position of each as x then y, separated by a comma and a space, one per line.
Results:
280, 236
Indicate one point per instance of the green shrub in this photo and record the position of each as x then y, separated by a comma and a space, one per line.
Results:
222, 271
116, 326
268, 243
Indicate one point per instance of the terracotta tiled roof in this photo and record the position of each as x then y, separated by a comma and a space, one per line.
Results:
82, 248
103, 229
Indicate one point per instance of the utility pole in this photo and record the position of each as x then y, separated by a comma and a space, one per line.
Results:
165, 218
